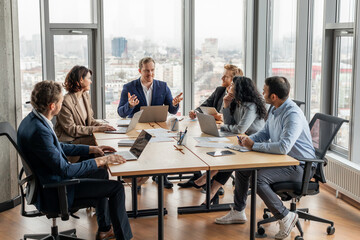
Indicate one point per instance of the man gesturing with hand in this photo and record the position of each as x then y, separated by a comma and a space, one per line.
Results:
146, 91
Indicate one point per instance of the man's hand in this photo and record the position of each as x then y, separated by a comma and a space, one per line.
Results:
99, 150
176, 100
245, 141
104, 128
192, 114
102, 161
133, 101
228, 99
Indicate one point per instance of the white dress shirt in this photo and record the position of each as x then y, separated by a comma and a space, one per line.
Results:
148, 93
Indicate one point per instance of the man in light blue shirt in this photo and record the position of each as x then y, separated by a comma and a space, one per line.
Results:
286, 131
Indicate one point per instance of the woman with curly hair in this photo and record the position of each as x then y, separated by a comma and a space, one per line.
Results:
244, 112
75, 122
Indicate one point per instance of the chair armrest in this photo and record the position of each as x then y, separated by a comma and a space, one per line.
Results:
62, 183
311, 160
307, 173
62, 194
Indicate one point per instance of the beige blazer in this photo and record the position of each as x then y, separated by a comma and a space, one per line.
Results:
71, 125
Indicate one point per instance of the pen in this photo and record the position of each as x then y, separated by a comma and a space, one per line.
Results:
105, 121
239, 139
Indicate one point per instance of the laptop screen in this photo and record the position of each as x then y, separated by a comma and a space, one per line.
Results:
140, 143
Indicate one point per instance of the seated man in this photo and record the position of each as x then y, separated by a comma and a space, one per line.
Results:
47, 156
285, 132
146, 91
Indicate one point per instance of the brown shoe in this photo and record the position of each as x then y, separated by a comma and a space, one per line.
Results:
105, 235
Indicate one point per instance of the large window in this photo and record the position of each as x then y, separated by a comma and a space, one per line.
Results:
346, 10
219, 40
70, 11
136, 29
30, 49
343, 75
317, 37
282, 40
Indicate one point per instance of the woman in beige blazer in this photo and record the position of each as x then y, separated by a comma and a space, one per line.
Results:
75, 122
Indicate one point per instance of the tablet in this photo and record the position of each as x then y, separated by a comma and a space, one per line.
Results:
209, 110
220, 153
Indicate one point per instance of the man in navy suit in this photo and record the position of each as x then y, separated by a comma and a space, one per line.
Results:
146, 91
47, 157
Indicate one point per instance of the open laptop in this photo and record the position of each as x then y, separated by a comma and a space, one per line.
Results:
208, 126
209, 110
137, 148
154, 113
132, 125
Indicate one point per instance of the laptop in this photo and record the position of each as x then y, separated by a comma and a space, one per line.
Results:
137, 148
154, 114
132, 125
209, 110
208, 126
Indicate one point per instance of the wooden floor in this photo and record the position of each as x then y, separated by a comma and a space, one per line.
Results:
194, 226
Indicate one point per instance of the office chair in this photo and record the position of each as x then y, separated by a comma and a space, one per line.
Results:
29, 187
323, 130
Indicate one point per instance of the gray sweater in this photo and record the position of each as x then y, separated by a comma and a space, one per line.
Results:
244, 119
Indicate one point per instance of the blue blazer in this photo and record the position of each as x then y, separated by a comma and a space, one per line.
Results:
47, 157
161, 95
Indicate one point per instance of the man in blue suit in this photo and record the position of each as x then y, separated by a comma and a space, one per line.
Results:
47, 157
146, 91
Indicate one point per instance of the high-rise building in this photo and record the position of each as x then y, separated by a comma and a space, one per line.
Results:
210, 47
118, 46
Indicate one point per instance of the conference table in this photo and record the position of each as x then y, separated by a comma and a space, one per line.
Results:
161, 158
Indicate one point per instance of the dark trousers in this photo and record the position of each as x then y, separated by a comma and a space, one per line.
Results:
222, 177
110, 207
266, 177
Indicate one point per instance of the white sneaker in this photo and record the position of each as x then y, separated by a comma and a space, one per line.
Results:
286, 225
232, 217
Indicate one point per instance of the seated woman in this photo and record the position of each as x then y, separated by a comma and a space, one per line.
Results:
75, 122
244, 112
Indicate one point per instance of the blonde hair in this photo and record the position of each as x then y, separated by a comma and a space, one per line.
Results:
235, 71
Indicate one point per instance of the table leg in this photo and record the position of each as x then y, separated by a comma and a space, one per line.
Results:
134, 197
208, 187
161, 207
253, 204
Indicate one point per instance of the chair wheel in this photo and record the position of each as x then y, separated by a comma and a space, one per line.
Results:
330, 230
299, 238
267, 215
261, 230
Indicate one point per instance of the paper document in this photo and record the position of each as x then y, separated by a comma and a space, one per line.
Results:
123, 122
164, 135
155, 131
161, 139
126, 142
211, 139
238, 148
213, 144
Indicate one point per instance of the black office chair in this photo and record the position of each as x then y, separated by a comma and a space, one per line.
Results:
323, 130
29, 185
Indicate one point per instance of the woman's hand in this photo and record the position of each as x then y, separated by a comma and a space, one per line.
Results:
228, 99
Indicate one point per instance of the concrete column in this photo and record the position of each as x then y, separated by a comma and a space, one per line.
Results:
10, 96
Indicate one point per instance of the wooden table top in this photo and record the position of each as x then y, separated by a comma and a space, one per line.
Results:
161, 157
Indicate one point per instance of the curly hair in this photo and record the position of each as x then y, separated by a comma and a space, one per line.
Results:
72, 80
245, 91
45, 93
